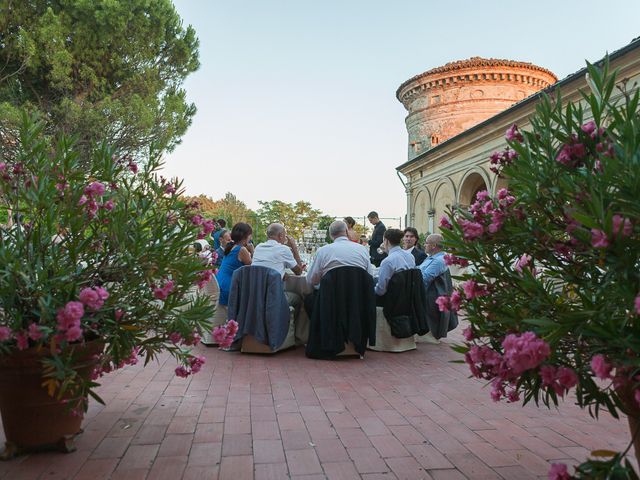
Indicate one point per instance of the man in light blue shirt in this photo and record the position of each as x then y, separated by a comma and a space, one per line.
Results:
397, 260
434, 265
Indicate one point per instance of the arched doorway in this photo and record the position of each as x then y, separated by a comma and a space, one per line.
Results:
471, 185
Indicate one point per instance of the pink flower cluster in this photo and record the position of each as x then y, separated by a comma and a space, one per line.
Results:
109, 366
161, 293
472, 289
452, 303
621, 227
68, 318
224, 335
499, 160
522, 352
513, 134
93, 298
450, 259
208, 226
177, 339
559, 471
195, 365
91, 192
204, 277
559, 379
573, 153
488, 214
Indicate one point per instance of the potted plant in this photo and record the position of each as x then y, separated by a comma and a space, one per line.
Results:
95, 273
553, 297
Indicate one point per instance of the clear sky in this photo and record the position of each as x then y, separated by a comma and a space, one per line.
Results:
296, 98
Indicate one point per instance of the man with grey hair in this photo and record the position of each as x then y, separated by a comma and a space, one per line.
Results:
433, 266
341, 253
280, 252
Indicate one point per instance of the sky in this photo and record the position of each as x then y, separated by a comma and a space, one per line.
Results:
296, 98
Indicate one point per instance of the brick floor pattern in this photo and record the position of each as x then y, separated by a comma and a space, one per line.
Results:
414, 415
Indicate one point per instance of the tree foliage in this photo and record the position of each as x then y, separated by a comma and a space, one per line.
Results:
553, 297
296, 217
102, 70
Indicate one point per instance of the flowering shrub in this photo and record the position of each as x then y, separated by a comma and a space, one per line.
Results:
102, 254
224, 335
553, 299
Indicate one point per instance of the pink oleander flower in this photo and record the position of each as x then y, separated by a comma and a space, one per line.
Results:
203, 278
70, 314
455, 300
471, 230
467, 333
564, 156
567, 377
601, 368
132, 166
599, 238
118, 314
482, 196
175, 337
93, 298
638, 304
170, 189
193, 339
522, 262
161, 293
450, 259
74, 333
92, 208
621, 226
5, 334
108, 205
95, 189
35, 333
219, 333
83, 200
589, 128
182, 371
513, 134
636, 396
22, 340
559, 471
472, 289
525, 351
444, 305
196, 363
208, 226
197, 219
444, 223
232, 327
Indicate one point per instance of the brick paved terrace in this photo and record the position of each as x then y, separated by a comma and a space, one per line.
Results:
412, 415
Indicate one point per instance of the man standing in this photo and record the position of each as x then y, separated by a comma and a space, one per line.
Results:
397, 260
410, 241
280, 252
376, 238
433, 266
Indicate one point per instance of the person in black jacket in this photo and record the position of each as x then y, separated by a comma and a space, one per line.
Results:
377, 237
410, 241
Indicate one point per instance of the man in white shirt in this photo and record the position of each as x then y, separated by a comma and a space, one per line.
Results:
341, 253
280, 252
397, 260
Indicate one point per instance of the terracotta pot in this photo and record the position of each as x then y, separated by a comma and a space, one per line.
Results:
33, 420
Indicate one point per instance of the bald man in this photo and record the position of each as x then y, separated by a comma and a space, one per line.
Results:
433, 266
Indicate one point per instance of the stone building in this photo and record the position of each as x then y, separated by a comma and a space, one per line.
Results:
458, 115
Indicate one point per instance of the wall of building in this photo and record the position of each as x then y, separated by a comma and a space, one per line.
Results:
453, 173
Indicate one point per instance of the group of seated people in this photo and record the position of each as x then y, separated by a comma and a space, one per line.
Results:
280, 253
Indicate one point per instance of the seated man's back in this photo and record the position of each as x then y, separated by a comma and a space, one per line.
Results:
341, 253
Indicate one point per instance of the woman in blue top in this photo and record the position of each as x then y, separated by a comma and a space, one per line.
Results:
236, 254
